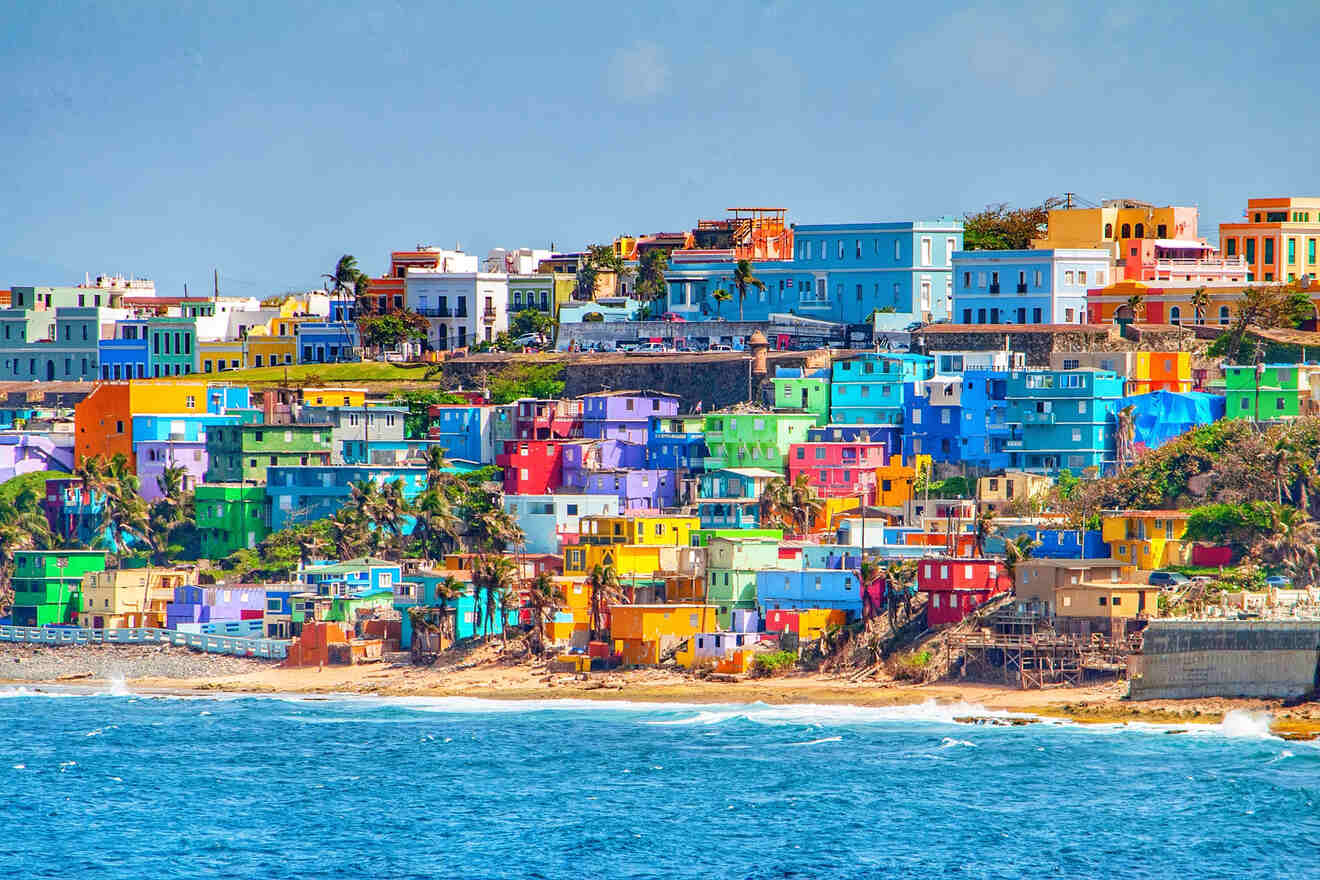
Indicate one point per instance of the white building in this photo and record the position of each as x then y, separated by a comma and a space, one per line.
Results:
545, 519
213, 315
520, 261
463, 308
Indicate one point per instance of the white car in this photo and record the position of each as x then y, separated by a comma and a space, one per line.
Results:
720, 346
651, 347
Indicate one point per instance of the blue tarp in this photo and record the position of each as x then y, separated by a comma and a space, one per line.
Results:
1163, 415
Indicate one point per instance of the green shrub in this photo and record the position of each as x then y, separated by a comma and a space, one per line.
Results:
774, 663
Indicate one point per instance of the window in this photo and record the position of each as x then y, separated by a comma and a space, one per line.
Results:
1067, 277
1175, 316
1250, 245
1223, 314
967, 279
1230, 247
1109, 230
1102, 601
1292, 258
898, 249
1081, 277
950, 245
925, 252
840, 249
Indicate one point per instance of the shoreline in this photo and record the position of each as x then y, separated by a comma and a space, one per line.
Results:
1102, 704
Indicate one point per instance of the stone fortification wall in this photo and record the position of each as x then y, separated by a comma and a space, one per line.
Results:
1189, 659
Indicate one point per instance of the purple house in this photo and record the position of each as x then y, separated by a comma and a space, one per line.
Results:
635, 489
624, 415
581, 460
193, 604
23, 452
154, 456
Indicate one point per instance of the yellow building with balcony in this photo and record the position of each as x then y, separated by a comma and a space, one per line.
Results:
657, 530
129, 597
1147, 539
1278, 238
221, 355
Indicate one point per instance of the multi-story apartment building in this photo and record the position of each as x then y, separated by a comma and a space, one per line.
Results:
838, 470
1064, 419
303, 493
463, 308
230, 517
242, 453
1263, 393
869, 390
624, 415
1276, 238
755, 440
1026, 287
48, 584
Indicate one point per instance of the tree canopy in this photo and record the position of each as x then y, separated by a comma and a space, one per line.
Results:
1001, 228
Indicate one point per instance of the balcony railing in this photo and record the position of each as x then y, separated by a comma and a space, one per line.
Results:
488, 314
1022, 288
437, 312
1038, 418
994, 288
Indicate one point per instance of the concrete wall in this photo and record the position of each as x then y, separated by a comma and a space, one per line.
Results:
1187, 659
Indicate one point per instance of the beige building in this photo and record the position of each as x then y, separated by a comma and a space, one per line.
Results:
997, 492
1037, 581
1085, 595
129, 597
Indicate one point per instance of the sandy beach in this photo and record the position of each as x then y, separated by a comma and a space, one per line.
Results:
487, 674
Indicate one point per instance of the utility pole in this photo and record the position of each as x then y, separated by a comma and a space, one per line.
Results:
1068, 199
216, 281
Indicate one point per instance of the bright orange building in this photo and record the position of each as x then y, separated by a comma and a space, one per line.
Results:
103, 420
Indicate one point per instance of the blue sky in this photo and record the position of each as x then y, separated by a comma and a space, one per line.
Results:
267, 138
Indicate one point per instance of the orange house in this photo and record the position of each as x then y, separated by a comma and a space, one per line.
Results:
103, 420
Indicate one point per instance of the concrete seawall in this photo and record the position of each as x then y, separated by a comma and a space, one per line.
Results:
1187, 659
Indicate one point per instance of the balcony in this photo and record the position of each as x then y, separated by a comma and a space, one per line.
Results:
437, 312
1022, 288
488, 314
994, 288
1038, 418
1012, 444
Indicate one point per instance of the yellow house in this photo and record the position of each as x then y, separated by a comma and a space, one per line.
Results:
831, 510
1160, 371
1115, 221
221, 355
1148, 539
656, 530
266, 350
129, 597
334, 396
997, 492
642, 633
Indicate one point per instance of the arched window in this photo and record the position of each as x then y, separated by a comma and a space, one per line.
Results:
1175, 316
1141, 230
1223, 314
1109, 230
1127, 231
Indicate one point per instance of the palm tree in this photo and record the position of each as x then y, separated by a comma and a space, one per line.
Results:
776, 504
22, 527
346, 279
543, 597
1136, 306
349, 531
605, 590
447, 590
721, 296
898, 585
124, 518
495, 529
743, 279
1125, 436
981, 528
496, 576
806, 503
1200, 301
1016, 551
168, 513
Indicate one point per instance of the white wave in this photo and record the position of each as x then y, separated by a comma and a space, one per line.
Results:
951, 743
119, 687
1281, 756
20, 766
816, 742
1241, 724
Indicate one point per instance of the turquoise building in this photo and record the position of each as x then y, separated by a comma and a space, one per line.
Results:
42, 346
840, 272
869, 390
1062, 419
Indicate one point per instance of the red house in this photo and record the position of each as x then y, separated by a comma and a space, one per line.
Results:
532, 467
837, 470
956, 587
548, 419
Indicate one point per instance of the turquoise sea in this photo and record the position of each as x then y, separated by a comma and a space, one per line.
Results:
124, 786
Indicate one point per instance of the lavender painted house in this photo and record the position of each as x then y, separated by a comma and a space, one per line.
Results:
161, 442
23, 452
635, 489
624, 415
193, 604
581, 460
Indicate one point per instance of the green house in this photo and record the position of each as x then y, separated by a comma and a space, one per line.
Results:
703, 537
809, 393
241, 453
1265, 393
755, 439
230, 517
731, 567
48, 584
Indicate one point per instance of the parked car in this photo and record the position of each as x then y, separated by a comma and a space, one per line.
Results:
1279, 581
1202, 579
719, 346
530, 339
1168, 579
651, 347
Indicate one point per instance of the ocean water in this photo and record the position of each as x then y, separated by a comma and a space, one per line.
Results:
123, 786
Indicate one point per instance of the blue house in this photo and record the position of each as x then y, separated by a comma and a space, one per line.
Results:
464, 432
839, 272
1026, 287
730, 498
809, 588
869, 390
418, 590
676, 443
222, 398
831, 556
125, 356
1062, 418
933, 418
302, 493
327, 342
985, 428
353, 576
1055, 543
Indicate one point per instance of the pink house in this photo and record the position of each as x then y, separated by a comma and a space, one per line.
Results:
837, 470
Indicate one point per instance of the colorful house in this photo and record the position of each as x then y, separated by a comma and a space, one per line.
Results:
642, 633
732, 565
365, 574
220, 355
730, 498
755, 440
895, 480
48, 584
801, 390
1262, 393
549, 521
543, 419
303, 493
129, 597
838, 470
1276, 238
809, 588
1161, 371
103, 420
869, 389
1147, 539
532, 467
661, 530
636, 489
957, 587
624, 415
230, 516
677, 443
1066, 419
242, 453
998, 492
985, 431
1045, 286
463, 430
